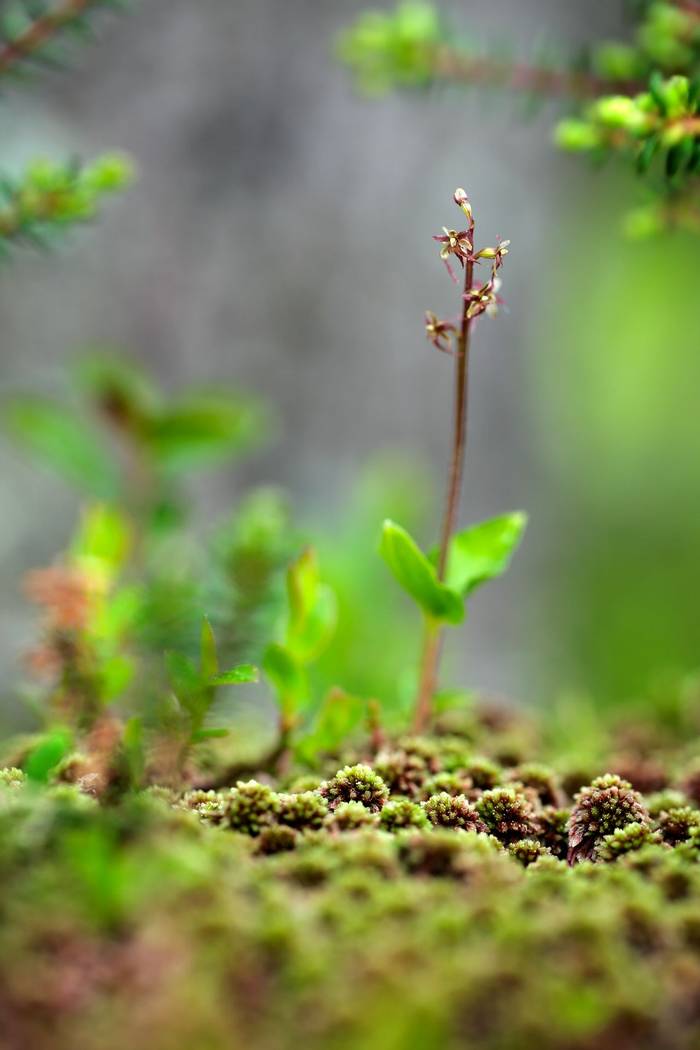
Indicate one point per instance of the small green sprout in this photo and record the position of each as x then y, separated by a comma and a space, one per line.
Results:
194, 690
310, 626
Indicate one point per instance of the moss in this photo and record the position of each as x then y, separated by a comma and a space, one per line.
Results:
623, 840
403, 771
11, 777
527, 851
483, 773
402, 813
276, 839
667, 799
347, 816
251, 807
450, 783
210, 806
602, 808
450, 811
676, 825
438, 854
541, 780
303, 810
357, 783
553, 833
264, 926
507, 814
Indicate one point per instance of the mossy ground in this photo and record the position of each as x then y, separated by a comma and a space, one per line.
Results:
420, 898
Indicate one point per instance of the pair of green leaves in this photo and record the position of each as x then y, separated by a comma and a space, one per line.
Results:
195, 687
311, 622
196, 429
477, 554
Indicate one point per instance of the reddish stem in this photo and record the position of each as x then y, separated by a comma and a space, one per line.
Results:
40, 32
453, 65
432, 643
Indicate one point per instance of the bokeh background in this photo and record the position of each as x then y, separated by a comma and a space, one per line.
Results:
279, 237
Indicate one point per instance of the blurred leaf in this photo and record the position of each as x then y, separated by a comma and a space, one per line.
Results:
62, 441
339, 716
483, 551
116, 672
236, 676
51, 749
184, 676
286, 676
201, 429
119, 613
133, 746
104, 536
417, 576
208, 734
119, 386
208, 659
313, 610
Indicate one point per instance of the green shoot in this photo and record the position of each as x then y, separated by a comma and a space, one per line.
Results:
310, 625
194, 691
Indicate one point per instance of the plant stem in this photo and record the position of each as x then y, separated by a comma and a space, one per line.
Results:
430, 658
452, 65
40, 32
432, 641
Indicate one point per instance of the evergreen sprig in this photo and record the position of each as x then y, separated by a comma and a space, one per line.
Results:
638, 98
33, 32
52, 196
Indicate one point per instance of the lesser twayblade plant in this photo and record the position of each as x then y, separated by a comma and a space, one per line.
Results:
441, 581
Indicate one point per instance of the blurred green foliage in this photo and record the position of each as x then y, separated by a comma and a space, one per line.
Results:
646, 92
618, 429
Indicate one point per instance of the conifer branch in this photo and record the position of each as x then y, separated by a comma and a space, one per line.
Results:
30, 28
50, 197
449, 64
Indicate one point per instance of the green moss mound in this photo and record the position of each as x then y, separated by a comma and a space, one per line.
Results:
365, 912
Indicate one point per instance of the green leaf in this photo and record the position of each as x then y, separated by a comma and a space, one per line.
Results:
119, 387
184, 676
208, 660
313, 609
204, 428
64, 443
286, 676
133, 746
208, 734
46, 755
104, 536
483, 551
116, 673
417, 576
236, 676
339, 716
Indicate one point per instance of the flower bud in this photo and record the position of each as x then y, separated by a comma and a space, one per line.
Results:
461, 199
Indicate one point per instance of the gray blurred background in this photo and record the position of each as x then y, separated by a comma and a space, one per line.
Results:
279, 235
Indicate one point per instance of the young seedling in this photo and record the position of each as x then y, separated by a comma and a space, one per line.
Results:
194, 689
311, 621
440, 582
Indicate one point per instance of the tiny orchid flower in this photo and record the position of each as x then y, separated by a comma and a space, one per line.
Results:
439, 333
484, 299
457, 243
